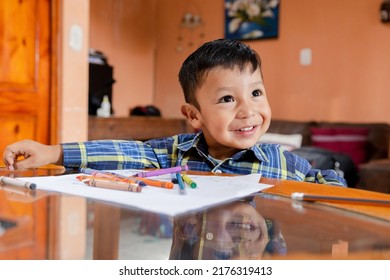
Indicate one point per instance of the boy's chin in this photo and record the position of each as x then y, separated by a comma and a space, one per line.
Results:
244, 147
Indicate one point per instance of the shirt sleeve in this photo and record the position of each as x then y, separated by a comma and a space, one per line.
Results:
328, 177
305, 172
109, 155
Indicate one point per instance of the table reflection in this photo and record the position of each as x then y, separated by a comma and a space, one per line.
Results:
47, 225
234, 231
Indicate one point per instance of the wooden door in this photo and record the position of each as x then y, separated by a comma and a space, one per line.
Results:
25, 74
26, 219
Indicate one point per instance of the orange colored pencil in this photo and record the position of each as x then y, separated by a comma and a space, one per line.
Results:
156, 183
113, 185
109, 179
134, 180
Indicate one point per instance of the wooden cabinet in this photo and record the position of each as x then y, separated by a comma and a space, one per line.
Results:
138, 128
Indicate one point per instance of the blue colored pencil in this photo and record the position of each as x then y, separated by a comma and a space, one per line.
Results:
182, 189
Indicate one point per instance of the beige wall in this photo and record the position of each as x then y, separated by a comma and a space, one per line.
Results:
168, 94
73, 83
347, 80
125, 31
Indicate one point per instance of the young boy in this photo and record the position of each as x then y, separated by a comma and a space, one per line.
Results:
226, 102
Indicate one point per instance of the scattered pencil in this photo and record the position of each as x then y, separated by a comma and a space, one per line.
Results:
188, 181
182, 190
161, 171
121, 186
350, 200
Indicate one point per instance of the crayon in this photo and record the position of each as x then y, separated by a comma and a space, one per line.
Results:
121, 186
188, 181
107, 174
17, 183
182, 190
351, 200
162, 171
156, 183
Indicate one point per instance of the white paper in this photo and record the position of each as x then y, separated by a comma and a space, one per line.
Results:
210, 191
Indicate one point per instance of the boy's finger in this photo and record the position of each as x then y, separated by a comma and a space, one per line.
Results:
9, 158
20, 165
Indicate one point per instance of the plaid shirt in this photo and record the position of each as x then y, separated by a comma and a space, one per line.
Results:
270, 160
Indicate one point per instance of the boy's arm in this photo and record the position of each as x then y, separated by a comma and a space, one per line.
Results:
28, 154
328, 177
114, 154
305, 172
99, 154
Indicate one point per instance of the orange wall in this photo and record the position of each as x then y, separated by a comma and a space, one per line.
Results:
73, 83
168, 94
347, 80
125, 31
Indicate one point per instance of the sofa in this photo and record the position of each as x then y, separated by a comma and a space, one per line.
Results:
367, 144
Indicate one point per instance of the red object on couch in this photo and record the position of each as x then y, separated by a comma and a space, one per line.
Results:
347, 140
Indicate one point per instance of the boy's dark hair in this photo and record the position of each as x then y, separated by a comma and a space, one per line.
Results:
218, 53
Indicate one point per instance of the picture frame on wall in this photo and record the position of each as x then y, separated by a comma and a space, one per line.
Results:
251, 19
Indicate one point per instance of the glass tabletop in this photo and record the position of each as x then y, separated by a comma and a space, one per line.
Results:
50, 225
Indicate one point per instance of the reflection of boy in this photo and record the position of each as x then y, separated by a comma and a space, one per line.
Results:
226, 102
234, 231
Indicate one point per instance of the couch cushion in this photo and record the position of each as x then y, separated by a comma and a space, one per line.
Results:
348, 140
378, 137
287, 141
292, 127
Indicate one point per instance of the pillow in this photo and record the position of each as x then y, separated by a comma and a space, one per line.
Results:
347, 140
287, 141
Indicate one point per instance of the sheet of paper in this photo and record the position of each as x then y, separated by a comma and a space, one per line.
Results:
210, 191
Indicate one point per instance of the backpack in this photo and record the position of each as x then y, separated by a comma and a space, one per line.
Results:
321, 158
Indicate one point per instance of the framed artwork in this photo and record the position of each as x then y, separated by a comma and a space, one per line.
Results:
251, 19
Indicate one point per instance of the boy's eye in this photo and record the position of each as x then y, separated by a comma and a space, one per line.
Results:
257, 93
225, 99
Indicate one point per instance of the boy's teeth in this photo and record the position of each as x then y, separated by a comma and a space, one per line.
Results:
246, 128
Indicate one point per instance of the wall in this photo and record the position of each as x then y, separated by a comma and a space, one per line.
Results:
73, 84
348, 78
345, 82
168, 94
125, 31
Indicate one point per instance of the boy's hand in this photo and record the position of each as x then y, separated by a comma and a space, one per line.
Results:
34, 155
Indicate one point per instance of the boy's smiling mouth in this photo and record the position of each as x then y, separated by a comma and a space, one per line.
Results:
248, 128
247, 131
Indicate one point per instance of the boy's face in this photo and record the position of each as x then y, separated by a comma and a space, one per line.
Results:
236, 231
234, 110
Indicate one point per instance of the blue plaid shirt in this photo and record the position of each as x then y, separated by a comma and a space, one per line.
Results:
270, 160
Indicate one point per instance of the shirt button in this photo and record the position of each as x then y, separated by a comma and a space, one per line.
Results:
217, 171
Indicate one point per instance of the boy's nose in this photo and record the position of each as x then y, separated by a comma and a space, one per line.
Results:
223, 239
245, 110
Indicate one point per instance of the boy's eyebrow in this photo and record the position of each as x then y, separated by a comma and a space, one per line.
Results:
257, 83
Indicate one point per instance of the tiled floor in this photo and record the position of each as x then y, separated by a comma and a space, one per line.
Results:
133, 246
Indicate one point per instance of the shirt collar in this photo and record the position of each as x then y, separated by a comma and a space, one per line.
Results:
259, 153
199, 143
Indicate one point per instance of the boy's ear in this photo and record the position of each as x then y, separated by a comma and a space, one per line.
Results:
192, 115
